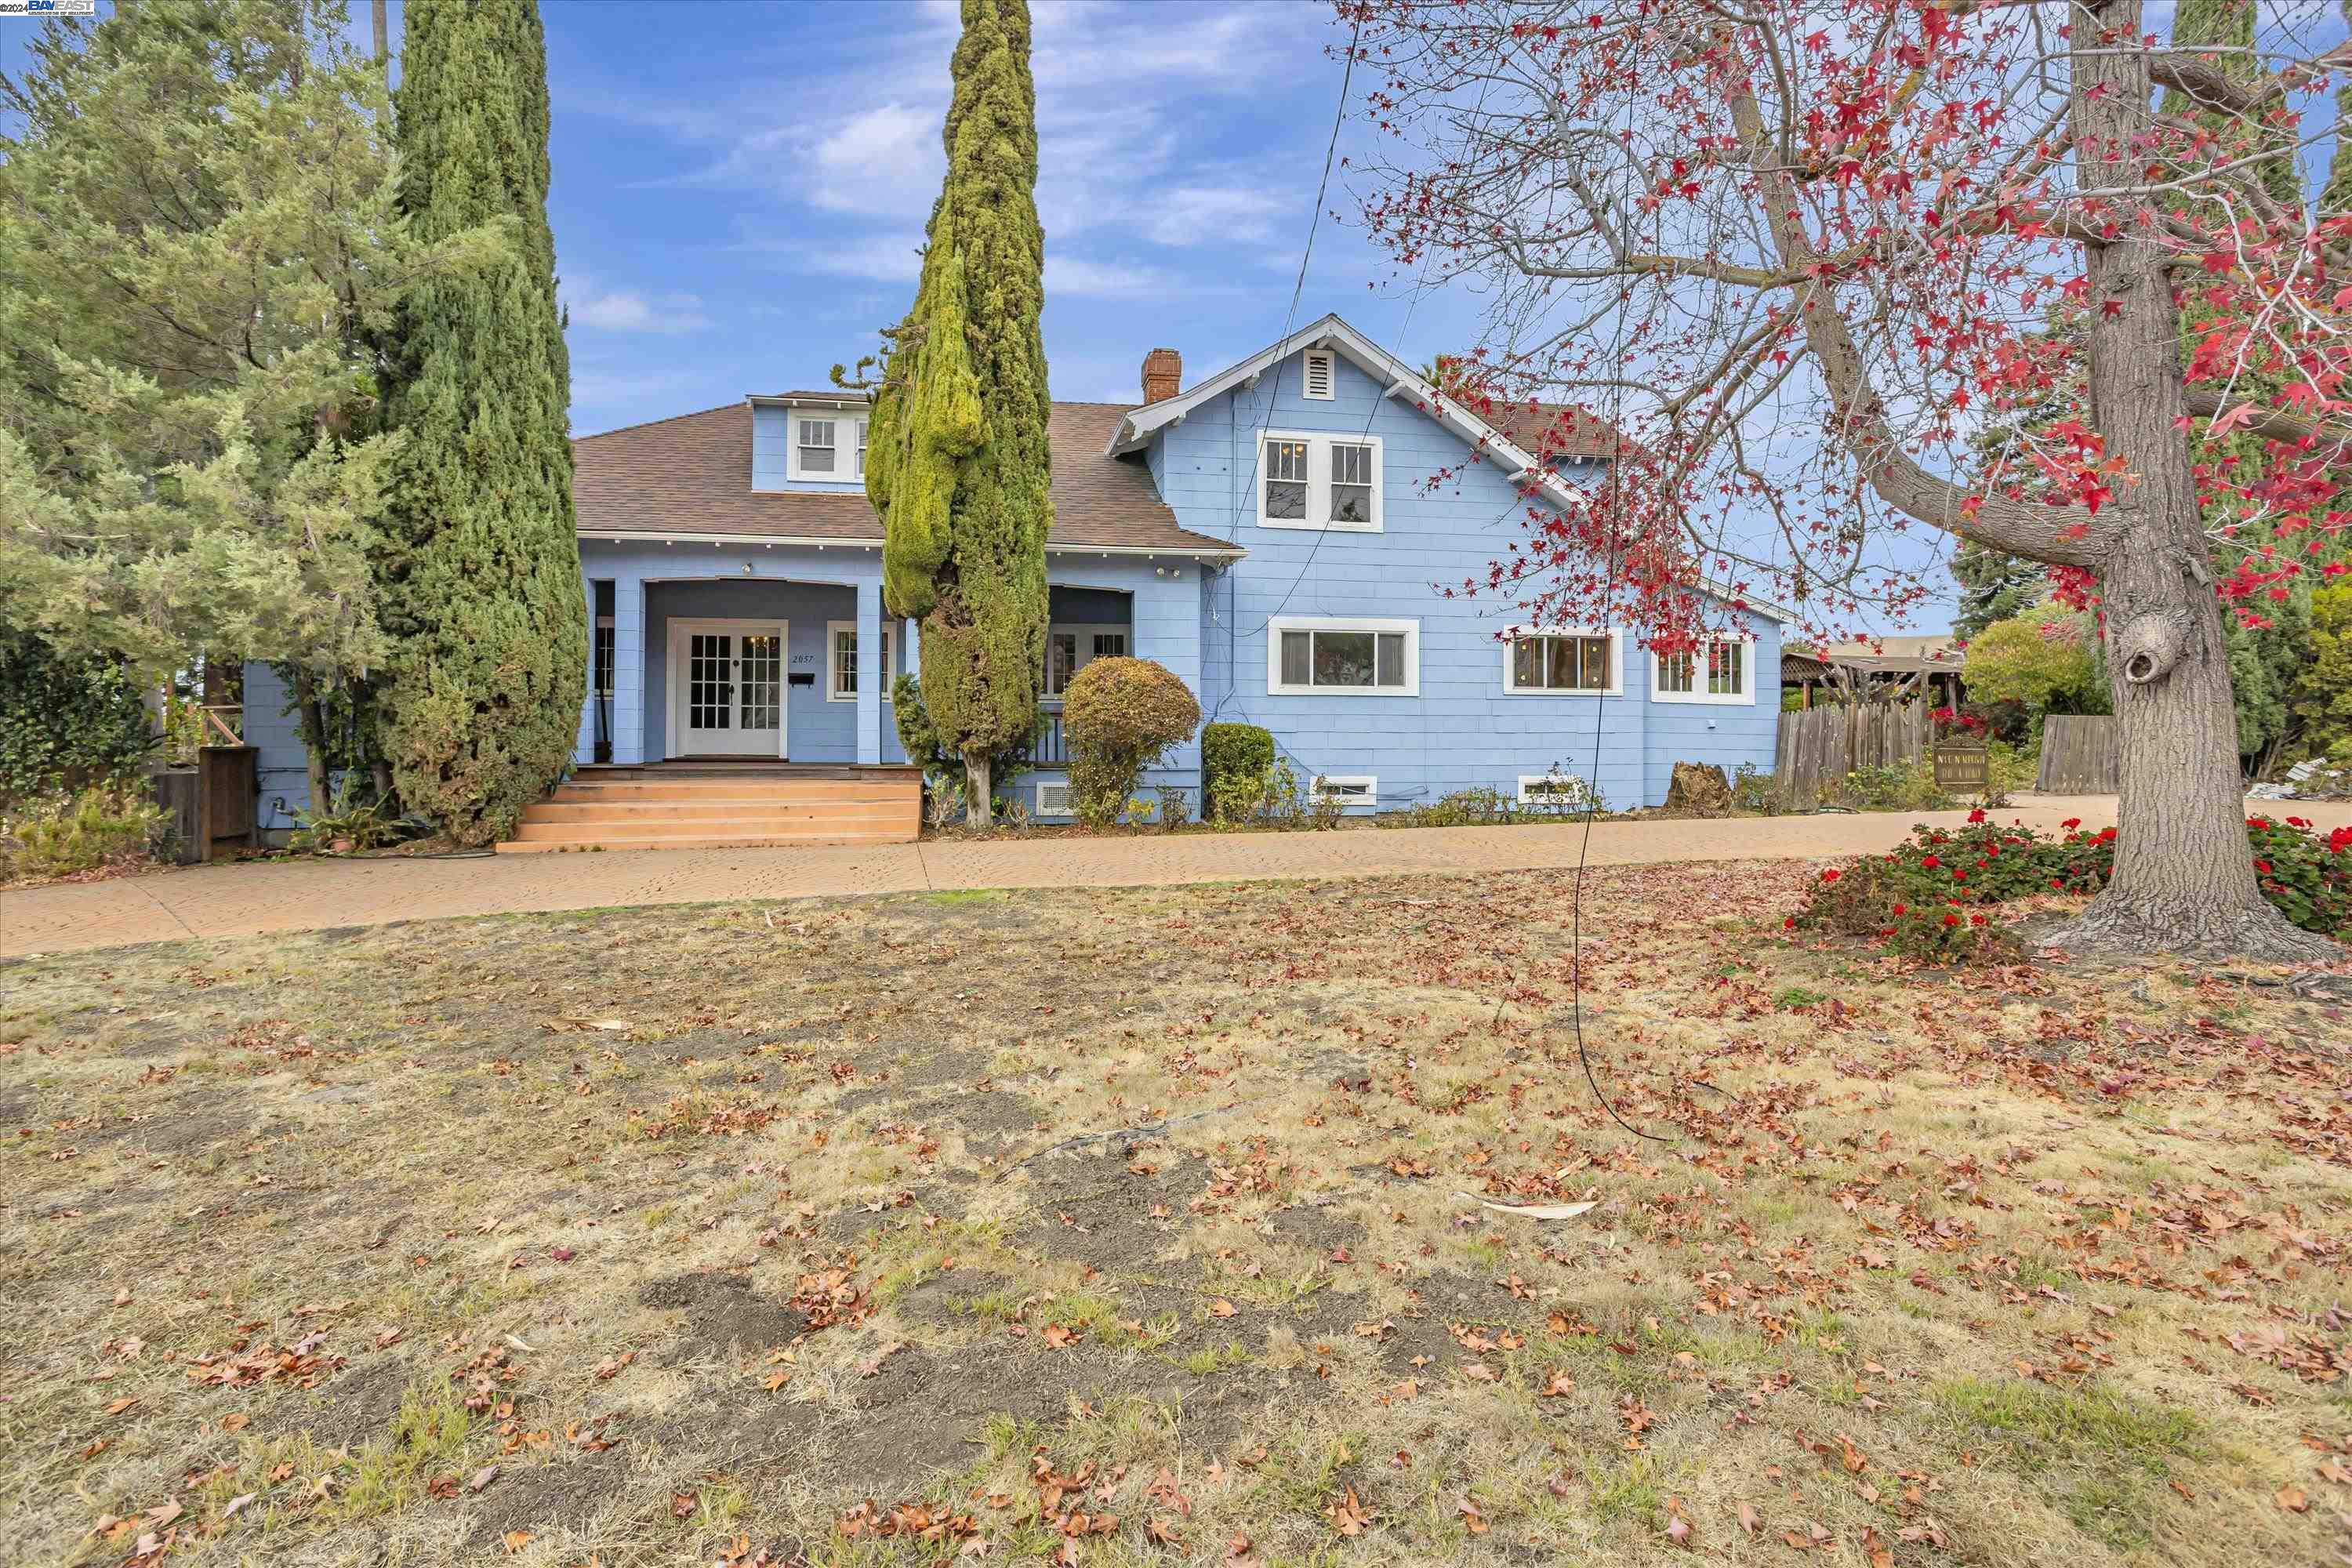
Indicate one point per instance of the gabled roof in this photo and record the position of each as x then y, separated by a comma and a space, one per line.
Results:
1511, 434
690, 478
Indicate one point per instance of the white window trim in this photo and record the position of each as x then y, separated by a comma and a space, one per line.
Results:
1616, 687
1368, 782
1318, 482
833, 630
1330, 362
1083, 631
1579, 790
1745, 698
848, 446
1065, 809
1281, 624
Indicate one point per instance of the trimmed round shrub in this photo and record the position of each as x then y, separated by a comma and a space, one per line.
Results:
1120, 716
1235, 761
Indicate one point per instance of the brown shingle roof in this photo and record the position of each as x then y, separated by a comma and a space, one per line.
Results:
1566, 431
691, 475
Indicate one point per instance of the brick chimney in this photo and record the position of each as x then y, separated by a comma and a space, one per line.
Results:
1163, 374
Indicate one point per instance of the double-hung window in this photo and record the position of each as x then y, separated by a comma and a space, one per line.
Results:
1319, 481
828, 447
1317, 656
1563, 663
1717, 671
841, 660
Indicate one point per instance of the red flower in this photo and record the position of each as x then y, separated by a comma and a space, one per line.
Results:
1788, 925
1960, 876
2262, 866
2072, 822
1900, 910
1976, 816
2057, 884
1931, 862
2106, 836
1951, 920
1976, 919
1832, 875
2297, 822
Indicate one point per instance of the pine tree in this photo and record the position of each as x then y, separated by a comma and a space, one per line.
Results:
480, 573
197, 208
957, 463
1994, 586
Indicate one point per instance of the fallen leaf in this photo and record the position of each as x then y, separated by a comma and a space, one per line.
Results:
2292, 1499
482, 1478
1221, 1307
516, 1540
1748, 1520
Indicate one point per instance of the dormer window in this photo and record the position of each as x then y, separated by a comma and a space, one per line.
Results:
816, 445
828, 447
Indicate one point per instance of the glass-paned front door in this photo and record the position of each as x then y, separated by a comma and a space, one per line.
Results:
726, 688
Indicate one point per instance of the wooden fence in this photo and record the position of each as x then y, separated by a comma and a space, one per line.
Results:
212, 804
2078, 755
1820, 746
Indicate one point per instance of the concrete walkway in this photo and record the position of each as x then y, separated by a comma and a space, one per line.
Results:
309, 895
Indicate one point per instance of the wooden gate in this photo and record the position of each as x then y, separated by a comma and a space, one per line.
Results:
212, 804
2078, 755
1819, 746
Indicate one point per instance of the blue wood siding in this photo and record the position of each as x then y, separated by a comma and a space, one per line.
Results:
1462, 730
771, 436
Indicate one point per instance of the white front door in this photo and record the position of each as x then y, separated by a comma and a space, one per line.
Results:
727, 688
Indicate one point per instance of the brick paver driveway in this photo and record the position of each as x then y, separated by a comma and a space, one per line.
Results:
308, 895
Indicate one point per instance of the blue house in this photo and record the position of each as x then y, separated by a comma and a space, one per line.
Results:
1270, 535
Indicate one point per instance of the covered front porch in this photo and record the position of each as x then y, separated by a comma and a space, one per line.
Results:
731, 651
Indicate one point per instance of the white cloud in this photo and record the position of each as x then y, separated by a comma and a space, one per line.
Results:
889, 257
628, 311
886, 160
1219, 214
1075, 276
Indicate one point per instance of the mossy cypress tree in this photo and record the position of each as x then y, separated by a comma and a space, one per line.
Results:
480, 573
956, 462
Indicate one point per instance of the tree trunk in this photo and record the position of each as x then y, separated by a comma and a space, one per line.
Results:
383, 31
2184, 876
311, 715
979, 801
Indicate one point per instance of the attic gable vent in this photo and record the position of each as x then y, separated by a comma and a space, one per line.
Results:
1319, 375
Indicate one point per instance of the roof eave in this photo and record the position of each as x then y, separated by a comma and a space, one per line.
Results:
644, 535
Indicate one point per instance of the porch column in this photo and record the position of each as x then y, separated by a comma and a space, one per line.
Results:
628, 669
869, 672
914, 646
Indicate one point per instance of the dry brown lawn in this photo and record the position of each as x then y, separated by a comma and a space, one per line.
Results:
754, 1235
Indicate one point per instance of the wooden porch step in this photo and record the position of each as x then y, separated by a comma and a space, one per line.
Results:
704, 841
722, 805
733, 788
779, 806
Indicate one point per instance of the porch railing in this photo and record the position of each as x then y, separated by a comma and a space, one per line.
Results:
1050, 749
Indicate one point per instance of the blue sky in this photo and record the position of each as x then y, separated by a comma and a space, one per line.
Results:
739, 188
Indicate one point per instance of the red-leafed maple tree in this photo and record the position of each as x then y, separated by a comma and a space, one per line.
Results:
2018, 271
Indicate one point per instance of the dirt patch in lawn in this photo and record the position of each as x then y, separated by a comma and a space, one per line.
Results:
1146, 1226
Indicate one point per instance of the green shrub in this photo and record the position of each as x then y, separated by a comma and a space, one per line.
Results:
64, 724
1753, 789
1235, 762
96, 829
1895, 786
944, 769
1120, 716
1273, 797
348, 823
1931, 898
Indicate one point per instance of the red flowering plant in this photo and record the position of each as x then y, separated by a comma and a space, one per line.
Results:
1930, 898
2307, 877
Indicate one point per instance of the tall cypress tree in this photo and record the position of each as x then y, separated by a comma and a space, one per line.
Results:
956, 462
480, 573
